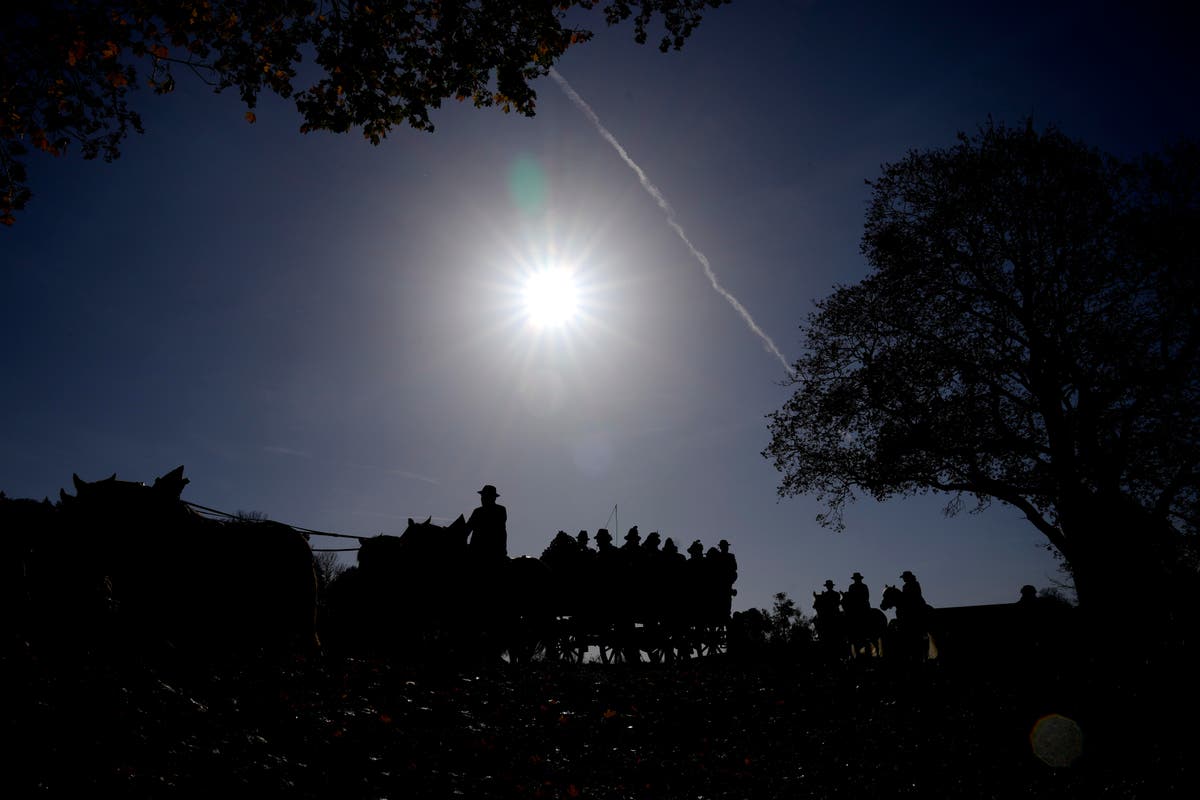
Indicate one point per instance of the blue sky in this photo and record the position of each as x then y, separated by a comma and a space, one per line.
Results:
330, 333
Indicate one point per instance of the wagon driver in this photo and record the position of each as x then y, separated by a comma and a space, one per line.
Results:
488, 528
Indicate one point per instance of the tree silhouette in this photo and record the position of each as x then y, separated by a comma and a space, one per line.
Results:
67, 66
1029, 333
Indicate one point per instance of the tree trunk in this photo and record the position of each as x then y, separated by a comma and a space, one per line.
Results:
1124, 562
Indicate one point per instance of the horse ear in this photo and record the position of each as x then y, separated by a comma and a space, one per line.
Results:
410, 522
75, 480
461, 520
428, 520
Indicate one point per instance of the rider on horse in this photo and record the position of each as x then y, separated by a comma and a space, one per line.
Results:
857, 598
827, 603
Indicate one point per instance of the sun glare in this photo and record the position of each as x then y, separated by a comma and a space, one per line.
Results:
551, 297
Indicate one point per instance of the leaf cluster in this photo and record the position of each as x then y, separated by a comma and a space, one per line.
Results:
67, 67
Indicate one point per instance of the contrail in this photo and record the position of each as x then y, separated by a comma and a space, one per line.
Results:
653, 191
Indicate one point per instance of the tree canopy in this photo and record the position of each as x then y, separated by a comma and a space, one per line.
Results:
67, 67
1029, 332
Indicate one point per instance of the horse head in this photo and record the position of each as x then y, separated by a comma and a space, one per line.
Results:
172, 483
457, 532
425, 539
891, 597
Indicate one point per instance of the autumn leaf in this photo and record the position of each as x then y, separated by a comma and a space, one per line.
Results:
117, 79
111, 50
250, 117
77, 52
159, 51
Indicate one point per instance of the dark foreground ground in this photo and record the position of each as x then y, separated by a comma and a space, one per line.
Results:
343, 728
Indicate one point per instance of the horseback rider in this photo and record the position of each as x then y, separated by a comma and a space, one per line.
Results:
827, 603
857, 599
911, 592
864, 625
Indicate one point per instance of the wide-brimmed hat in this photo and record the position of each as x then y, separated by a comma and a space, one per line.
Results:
907, 574
829, 584
856, 576
488, 491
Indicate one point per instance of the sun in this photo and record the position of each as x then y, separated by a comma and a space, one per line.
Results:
551, 297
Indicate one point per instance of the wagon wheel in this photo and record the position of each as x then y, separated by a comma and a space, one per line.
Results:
571, 645
610, 654
615, 645
573, 653
655, 644
710, 640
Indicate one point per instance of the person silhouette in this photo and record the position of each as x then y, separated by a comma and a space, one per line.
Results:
727, 566
651, 543
911, 592
488, 527
828, 602
633, 539
604, 540
671, 551
857, 599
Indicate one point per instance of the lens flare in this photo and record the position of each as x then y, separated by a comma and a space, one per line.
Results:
551, 297
1057, 740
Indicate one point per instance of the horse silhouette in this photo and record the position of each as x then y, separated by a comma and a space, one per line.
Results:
830, 623
865, 631
130, 565
423, 596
